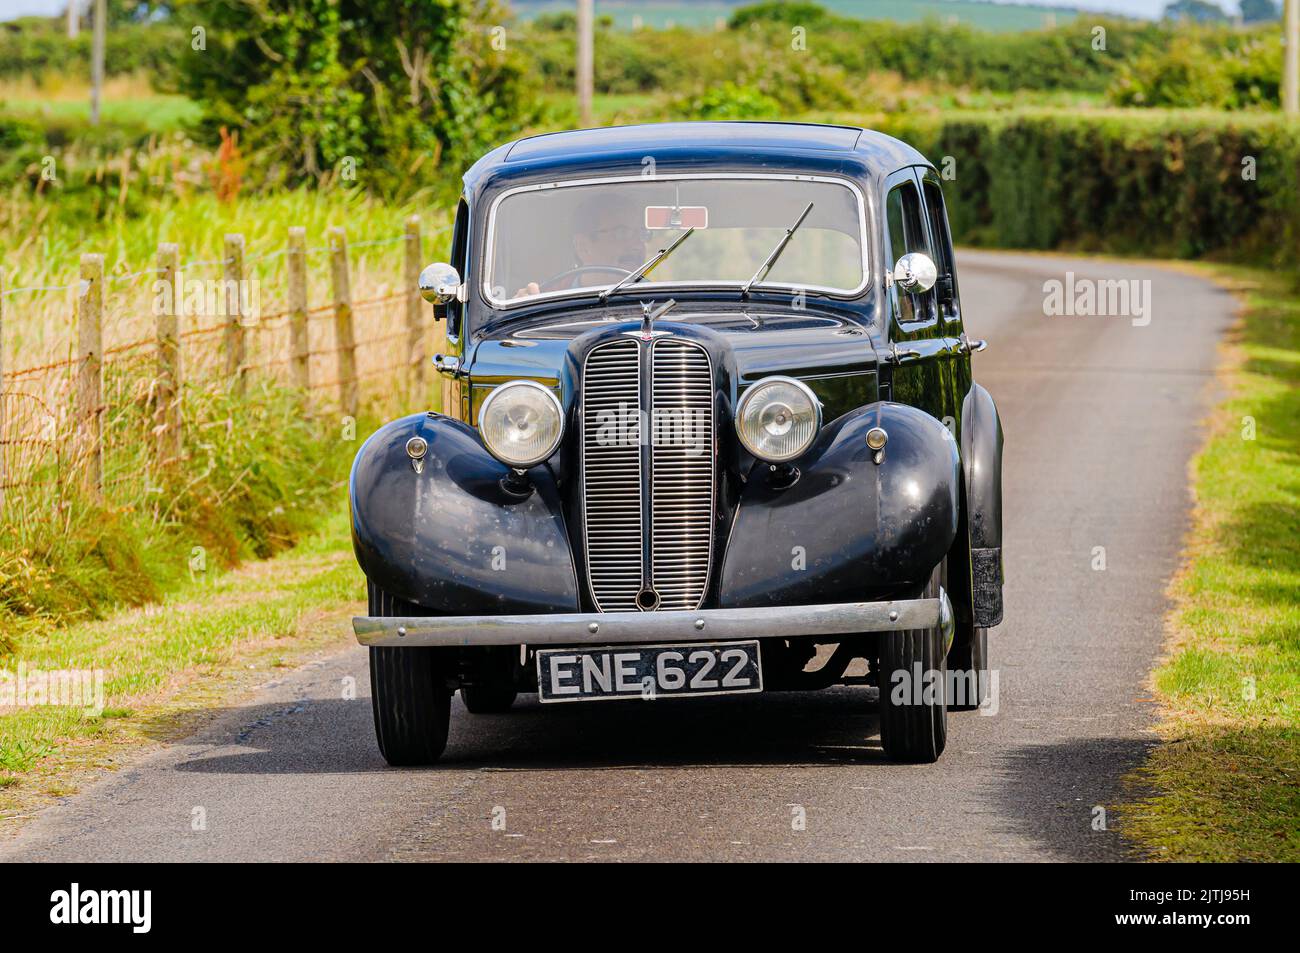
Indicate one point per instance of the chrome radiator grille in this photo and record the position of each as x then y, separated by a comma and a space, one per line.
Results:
648, 512
611, 474
681, 473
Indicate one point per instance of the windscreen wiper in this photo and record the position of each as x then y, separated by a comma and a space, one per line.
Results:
764, 268
640, 273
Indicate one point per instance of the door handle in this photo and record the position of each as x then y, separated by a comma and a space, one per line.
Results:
899, 355
968, 346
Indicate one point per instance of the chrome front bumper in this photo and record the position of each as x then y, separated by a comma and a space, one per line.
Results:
706, 625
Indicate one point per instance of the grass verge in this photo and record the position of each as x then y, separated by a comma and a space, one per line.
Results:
260, 475
1227, 778
167, 666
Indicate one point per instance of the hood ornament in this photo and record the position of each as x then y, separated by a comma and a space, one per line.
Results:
648, 314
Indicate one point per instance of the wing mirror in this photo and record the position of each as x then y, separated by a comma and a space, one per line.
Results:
915, 272
439, 284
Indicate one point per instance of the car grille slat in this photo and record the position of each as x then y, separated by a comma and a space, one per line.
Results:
678, 515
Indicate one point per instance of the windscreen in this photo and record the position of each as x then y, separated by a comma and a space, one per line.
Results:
577, 239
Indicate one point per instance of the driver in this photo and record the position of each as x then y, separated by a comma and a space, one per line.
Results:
609, 240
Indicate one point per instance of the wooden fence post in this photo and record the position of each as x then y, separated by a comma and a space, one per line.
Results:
169, 358
343, 336
299, 341
415, 333
233, 339
90, 374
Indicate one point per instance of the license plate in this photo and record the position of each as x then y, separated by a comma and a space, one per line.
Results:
648, 671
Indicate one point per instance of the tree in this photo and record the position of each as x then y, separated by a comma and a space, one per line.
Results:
379, 93
1201, 11
794, 13
1260, 11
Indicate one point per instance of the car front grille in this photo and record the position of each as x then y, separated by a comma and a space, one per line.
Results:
647, 516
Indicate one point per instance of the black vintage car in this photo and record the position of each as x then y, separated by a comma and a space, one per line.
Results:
709, 427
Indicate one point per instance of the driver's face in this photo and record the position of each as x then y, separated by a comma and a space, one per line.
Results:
610, 240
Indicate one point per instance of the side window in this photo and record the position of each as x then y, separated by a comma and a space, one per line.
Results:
459, 261
906, 234
943, 257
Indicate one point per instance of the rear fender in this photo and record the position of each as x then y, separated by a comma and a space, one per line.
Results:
981, 456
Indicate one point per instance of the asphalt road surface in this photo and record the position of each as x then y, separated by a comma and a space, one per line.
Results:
1101, 417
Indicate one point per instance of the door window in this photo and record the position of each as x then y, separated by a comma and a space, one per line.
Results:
459, 261
904, 218
943, 257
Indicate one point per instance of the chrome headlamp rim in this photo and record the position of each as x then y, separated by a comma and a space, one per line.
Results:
751, 390
559, 432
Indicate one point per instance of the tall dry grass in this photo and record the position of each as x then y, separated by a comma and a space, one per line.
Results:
257, 465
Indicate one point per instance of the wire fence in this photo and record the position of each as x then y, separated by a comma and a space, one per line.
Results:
106, 378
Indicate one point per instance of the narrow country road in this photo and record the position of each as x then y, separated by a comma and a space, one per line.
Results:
1101, 417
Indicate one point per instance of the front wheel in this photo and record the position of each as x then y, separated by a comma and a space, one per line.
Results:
913, 694
408, 688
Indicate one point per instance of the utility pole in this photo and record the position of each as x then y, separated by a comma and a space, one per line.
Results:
74, 23
586, 58
1291, 67
97, 60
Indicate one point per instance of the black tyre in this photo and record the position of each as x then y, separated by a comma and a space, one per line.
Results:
487, 699
914, 716
968, 663
408, 688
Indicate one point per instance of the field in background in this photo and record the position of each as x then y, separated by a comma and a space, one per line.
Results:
987, 16
130, 100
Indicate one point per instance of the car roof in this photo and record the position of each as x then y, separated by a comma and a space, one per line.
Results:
686, 146
702, 135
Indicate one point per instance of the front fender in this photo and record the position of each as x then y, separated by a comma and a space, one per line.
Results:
848, 528
451, 538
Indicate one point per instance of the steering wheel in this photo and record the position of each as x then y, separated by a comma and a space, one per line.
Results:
549, 283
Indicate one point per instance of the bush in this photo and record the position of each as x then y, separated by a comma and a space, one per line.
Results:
345, 90
1147, 182
1189, 75
114, 170
1061, 58
787, 14
39, 47
1256, 72
727, 101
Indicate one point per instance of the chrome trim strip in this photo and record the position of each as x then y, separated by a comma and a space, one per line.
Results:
485, 287
705, 625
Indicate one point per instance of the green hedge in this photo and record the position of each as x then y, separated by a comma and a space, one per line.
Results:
38, 47
1151, 182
